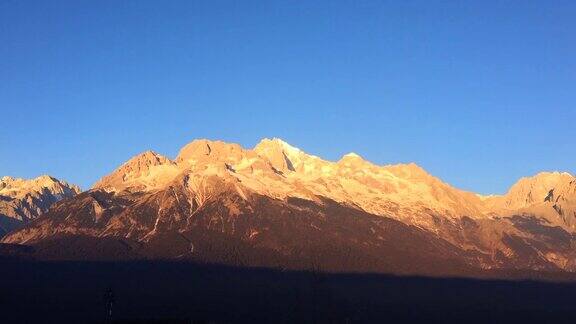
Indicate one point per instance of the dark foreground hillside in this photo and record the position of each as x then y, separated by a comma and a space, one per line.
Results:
49, 292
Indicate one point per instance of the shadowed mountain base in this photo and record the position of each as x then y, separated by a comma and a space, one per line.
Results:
186, 292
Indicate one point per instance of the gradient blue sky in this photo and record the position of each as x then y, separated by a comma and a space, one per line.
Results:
479, 93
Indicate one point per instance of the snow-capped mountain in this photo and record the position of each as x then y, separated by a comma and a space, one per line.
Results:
23, 200
276, 169
277, 205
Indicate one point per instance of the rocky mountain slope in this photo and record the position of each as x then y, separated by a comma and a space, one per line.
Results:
548, 195
275, 205
23, 200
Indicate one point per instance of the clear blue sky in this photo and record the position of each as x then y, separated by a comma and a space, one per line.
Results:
479, 93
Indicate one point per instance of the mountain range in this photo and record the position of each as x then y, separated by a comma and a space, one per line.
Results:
277, 206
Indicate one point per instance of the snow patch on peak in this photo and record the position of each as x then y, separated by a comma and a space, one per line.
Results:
352, 155
267, 143
280, 154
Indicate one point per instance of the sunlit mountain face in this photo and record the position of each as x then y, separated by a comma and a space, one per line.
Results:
22, 201
277, 206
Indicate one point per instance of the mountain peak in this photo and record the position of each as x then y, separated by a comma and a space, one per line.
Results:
137, 167
352, 159
352, 155
532, 190
149, 157
280, 154
25, 199
410, 169
552, 174
46, 177
275, 142
203, 149
17, 187
546, 178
